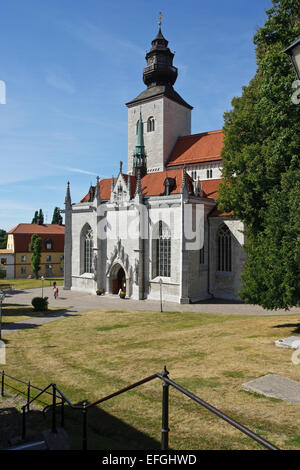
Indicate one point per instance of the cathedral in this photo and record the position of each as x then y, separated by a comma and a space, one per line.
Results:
156, 230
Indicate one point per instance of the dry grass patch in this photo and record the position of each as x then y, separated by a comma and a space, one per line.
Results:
98, 352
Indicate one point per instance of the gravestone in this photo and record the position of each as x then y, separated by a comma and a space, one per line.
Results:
291, 342
275, 386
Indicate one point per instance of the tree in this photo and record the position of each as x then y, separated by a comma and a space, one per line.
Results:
35, 217
261, 165
3, 239
35, 247
41, 217
57, 218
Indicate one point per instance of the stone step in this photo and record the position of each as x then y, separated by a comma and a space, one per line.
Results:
37, 445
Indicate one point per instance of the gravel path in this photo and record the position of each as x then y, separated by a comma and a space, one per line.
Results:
72, 303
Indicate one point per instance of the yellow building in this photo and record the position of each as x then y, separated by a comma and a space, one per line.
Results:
52, 256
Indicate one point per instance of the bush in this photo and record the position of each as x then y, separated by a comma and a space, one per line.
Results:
40, 304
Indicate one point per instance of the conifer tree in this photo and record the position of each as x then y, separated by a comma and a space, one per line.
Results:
262, 165
35, 217
41, 217
57, 218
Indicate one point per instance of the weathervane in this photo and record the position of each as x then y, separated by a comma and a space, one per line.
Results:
160, 18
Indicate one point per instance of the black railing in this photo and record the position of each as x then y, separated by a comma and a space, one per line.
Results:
57, 395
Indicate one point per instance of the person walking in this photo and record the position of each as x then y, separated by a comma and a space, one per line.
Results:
54, 292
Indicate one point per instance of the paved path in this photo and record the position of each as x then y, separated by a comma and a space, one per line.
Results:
75, 302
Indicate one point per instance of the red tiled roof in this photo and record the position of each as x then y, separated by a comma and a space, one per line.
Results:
197, 148
217, 213
153, 183
39, 229
210, 188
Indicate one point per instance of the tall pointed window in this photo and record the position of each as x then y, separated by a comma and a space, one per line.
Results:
150, 124
88, 250
163, 251
224, 249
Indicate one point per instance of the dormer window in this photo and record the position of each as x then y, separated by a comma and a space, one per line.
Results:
209, 173
49, 244
150, 124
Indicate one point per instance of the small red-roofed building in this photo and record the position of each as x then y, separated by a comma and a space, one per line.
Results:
156, 230
52, 257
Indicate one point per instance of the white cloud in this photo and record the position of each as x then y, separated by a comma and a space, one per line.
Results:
115, 47
61, 83
76, 170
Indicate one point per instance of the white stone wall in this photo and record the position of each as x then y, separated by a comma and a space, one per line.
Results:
122, 245
198, 273
200, 171
169, 211
177, 123
189, 278
172, 120
226, 285
82, 214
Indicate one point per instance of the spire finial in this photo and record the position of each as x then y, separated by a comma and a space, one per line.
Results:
68, 196
160, 18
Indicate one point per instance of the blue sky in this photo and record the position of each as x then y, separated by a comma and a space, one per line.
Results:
71, 65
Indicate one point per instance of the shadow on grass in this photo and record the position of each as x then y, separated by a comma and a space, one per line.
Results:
104, 431
296, 327
15, 311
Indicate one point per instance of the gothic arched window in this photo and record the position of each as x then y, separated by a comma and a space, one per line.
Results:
137, 127
224, 249
163, 251
150, 124
87, 236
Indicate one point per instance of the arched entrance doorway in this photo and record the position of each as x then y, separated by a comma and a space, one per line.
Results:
118, 279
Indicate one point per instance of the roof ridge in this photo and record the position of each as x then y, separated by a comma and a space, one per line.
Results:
200, 133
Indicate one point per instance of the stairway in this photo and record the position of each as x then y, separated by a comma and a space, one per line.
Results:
46, 440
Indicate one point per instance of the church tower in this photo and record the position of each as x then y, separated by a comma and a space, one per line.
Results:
166, 115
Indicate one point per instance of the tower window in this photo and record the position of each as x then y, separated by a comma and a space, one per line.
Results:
150, 124
224, 249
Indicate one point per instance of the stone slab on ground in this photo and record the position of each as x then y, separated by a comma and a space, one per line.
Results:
291, 342
275, 386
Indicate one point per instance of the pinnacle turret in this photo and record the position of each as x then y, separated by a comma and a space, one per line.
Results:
139, 156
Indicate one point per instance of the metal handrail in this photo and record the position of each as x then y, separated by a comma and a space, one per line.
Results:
3, 374
123, 390
165, 408
219, 413
37, 396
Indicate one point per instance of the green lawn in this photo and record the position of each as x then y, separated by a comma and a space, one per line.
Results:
98, 352
23, 284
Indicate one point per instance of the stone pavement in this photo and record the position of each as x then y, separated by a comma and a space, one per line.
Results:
76, 302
